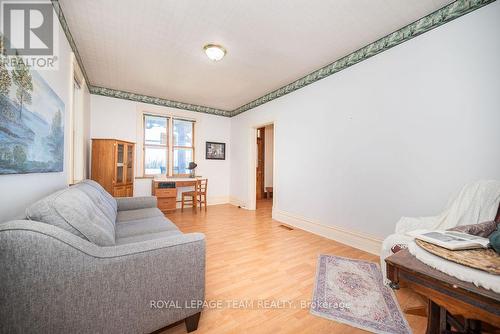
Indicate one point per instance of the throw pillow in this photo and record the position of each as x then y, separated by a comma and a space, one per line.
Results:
495, 240
481, 230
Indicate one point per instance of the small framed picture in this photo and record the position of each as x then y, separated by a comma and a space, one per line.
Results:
215, 151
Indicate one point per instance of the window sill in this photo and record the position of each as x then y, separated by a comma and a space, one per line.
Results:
149, 177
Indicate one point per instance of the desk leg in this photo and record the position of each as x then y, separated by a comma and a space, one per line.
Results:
436, 318
195, 199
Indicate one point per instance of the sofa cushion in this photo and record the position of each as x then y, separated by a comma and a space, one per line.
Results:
43, 211
138, 214
147, 237
72, 210
107, 196
99, 200
136, 203
143, 226
150, 228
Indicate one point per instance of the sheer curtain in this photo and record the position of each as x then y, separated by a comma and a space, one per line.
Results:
77, 134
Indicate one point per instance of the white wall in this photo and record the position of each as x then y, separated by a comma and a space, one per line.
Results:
392, 136
20, 190
268, 155
121, 119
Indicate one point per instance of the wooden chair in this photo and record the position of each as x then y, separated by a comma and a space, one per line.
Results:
189, 197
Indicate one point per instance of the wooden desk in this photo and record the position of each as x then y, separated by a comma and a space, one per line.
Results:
165, 190
448, 296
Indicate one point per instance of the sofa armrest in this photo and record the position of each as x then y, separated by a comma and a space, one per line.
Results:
135, 203
54, 281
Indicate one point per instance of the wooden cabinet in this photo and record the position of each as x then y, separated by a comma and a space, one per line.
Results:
113, 166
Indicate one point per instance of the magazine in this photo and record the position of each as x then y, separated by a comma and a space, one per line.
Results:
451, 240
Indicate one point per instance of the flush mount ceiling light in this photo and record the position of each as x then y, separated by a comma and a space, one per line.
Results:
214, 52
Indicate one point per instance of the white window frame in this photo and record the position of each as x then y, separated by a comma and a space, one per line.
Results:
77, 148
182, 147
144, 145
170, 142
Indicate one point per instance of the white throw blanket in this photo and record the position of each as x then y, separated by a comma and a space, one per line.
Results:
475, 203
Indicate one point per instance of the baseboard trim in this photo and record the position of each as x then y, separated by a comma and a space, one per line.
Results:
216, 200
237, 202
354, 239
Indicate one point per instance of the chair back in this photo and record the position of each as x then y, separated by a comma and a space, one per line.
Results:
202, 185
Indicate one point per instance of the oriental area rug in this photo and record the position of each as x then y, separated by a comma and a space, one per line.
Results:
352, 292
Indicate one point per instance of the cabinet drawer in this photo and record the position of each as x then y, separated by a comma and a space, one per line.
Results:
167, 204
186, 183
129, 190
166, 192
120, 191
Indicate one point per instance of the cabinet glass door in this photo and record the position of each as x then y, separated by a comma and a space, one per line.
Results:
130, 162
120, 154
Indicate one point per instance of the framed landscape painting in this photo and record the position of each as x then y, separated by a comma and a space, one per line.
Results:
31, 123
215, 151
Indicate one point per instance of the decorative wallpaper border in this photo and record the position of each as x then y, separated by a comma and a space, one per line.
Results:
157, 101
122, 94
427, 23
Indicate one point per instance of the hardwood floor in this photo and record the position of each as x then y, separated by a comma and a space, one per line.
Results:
251, 257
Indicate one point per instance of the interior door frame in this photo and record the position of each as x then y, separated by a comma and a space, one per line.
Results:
262, 139
252, 175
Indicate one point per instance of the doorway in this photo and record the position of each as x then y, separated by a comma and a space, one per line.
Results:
264, 165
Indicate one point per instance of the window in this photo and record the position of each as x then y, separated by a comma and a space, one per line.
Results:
155, 145
160, 143
183, 146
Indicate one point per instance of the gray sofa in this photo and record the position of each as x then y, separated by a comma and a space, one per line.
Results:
85, 262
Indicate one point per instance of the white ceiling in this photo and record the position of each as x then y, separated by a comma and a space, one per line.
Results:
154, 47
